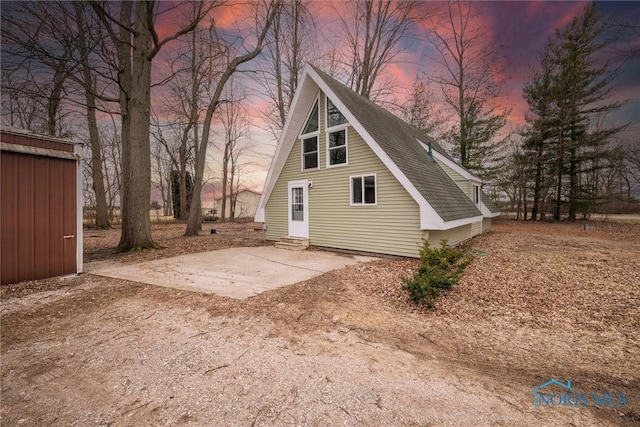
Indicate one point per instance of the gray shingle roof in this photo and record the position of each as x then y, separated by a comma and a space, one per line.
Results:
493, 208
398, 140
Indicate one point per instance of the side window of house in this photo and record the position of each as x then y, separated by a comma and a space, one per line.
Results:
309, 140
476, 194
363, 190
336, 136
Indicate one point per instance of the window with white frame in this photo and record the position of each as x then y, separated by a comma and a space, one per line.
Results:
309, 141
337, 147
336, 136
363, 190
334, 116
476, 194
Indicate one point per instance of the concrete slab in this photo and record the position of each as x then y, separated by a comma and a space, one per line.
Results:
238, 272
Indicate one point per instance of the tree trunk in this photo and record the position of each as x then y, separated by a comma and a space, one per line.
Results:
102, 209
225, 177
556, 212
537, 183
136, 225
233, 194
573, 184
55, 98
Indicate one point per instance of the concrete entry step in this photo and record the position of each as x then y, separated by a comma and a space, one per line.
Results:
293, 243
290, 246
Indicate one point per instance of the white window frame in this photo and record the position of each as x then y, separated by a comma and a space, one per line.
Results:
315, 134
362, 176
330, 130
475, 196
344, 128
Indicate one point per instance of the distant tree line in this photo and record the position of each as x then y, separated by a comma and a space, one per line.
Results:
567, 163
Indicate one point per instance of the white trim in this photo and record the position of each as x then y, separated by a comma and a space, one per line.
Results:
345, 128
37, 151
475, 191
305, 195
375, 188
77, 149
326, 116
302, 153
309, 135
306, 119
464, 221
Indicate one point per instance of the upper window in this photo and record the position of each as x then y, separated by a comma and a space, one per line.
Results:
312, 123
337, 147
310, 153
309, 141
336, 136
476, 194
334, 116
363, 190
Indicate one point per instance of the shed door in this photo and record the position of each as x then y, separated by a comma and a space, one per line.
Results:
38, 217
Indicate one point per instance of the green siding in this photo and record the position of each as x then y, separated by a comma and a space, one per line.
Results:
476, 228
464, 184
390, 227
454, 236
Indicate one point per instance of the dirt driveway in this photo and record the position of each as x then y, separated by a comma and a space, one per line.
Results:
344, 348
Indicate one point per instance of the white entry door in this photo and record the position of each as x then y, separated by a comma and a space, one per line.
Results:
298, 209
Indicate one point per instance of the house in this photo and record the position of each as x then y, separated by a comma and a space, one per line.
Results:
40, 206
348, 174
246, 204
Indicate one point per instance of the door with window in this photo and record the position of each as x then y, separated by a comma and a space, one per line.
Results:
298, 209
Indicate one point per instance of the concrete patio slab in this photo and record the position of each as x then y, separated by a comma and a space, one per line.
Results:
238, 272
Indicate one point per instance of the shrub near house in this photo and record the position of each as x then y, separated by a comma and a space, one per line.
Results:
440, 269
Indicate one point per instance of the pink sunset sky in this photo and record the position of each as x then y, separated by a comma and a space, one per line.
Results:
520, 30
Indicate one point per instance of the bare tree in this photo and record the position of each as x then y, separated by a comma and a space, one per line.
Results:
20, 108
236, 127
469, 82
291, 44
161, 168
193, 72
270, 11
373, 31
81, 20
40, 56
136, 38
421, 111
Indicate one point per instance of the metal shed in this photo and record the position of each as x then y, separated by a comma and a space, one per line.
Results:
40, 206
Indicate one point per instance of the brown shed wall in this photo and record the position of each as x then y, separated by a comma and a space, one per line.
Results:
38, 212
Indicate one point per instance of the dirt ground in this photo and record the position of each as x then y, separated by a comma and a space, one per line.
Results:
540, 301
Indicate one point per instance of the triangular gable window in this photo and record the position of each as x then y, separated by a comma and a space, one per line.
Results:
309, 140
312, 123
334, 116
